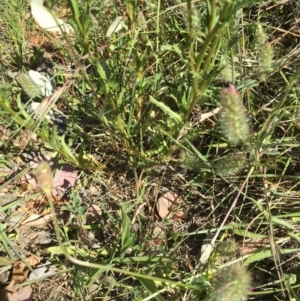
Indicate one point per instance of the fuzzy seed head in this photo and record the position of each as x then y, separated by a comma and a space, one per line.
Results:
28, 85
226, 73
195, 15
141, 20
260, 35
230, 165
265, 58
233, 117
43, 175
227, 248
231, 284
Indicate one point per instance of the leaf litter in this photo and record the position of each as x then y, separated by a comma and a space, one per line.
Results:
20, 273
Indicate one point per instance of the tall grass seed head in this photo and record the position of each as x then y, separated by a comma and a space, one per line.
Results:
233, 118
231, 284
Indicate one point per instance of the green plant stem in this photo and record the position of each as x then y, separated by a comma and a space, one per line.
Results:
207, 42
190, 19
212, 15
191, 47
213, 38
225, 13
213, 52
76, 15
215, 33
157, 40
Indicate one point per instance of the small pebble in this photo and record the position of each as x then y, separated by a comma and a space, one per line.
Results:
45, 241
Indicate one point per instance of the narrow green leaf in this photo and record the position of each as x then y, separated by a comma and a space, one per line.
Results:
151, 287
199, 155
9, 205
54, 140
17, 176
103, 70
8, 246
282, 222
126, 245
126, 239
74, 8
66, 149
93, 276
173, 48
296, 237
248, 234
267, 254
21, 108
166, 110
237, 5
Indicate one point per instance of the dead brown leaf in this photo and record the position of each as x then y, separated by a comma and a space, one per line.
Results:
20, 270
35, 206
155, 242
170, 205
22, 294
20, 274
